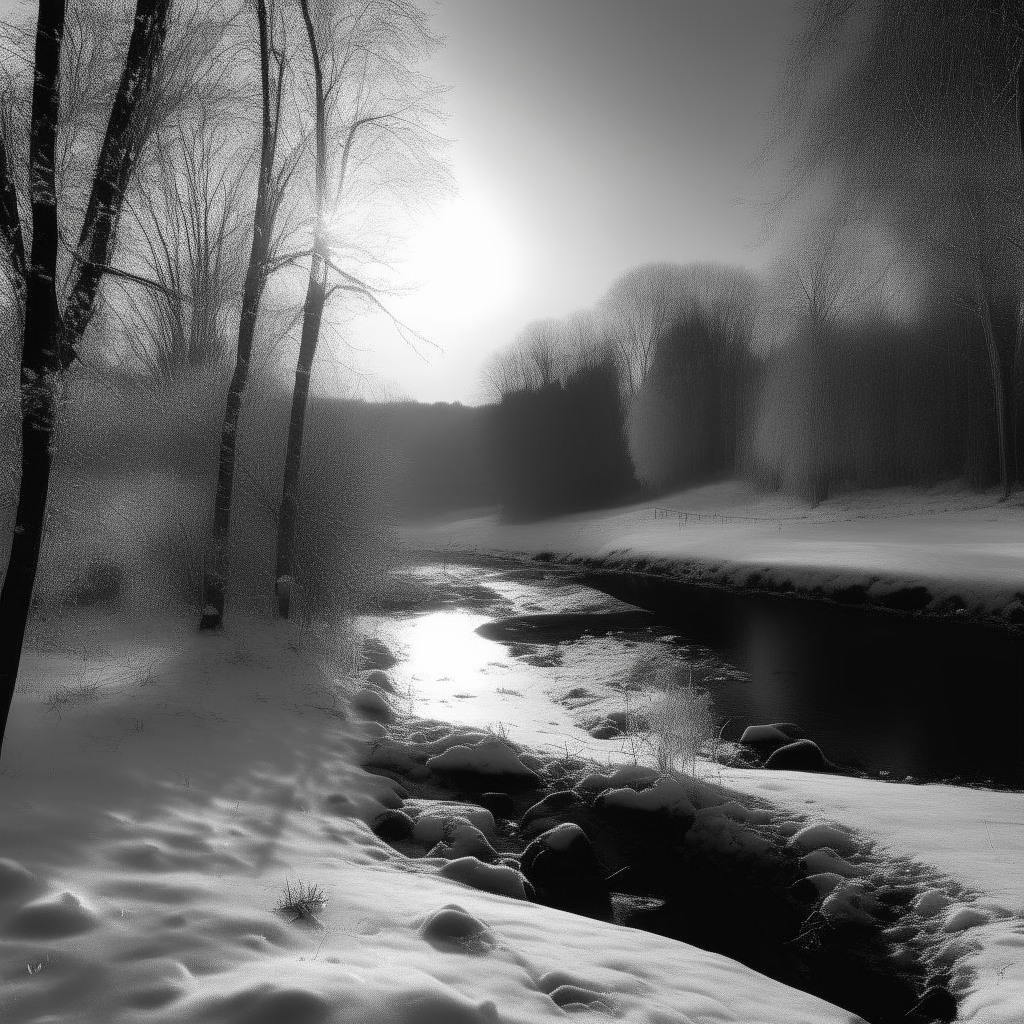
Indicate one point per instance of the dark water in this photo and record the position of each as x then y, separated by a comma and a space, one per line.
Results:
882, 692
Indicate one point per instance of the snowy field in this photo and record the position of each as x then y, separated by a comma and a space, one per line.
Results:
966, 549
159, 790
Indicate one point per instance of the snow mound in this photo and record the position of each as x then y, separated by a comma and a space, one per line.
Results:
453, 929
496, 878
736, 811
56, 917
16, 880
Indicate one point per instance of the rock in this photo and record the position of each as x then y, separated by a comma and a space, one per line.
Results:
800, 756
604, 730
392, 826
550, 804
563, 868
501, 805
56, 917
764, 734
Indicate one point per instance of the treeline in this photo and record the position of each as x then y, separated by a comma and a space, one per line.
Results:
684, 374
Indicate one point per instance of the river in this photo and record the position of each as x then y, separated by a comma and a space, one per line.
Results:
508, 645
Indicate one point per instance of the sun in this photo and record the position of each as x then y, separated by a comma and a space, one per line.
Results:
466, 258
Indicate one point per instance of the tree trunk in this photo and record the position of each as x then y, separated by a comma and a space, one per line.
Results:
288, 517
48, 345
316, 296
255, 277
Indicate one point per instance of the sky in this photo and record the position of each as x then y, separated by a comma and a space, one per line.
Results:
588, 136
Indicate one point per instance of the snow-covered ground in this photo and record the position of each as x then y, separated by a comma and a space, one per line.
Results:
159, 790
965, 548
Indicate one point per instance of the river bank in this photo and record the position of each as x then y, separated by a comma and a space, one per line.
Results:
946, 553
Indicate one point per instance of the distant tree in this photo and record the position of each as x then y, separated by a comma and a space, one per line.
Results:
685, 420
50, 335
533, 360
909, 113
639, 307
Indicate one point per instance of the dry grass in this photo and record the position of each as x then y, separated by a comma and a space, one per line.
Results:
304, 901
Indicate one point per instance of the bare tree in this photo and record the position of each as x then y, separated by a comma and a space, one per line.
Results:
50, 334
371, 111
190, 225
639, 307
272, 183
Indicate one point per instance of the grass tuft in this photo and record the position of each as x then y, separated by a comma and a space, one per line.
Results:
305, 901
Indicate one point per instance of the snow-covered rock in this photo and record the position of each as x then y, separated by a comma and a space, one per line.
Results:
850, 902
814, 837
488, 757
959, 918
371, 701
931, 902
825, 861
764, 734
667, 797
497, 878
627, 775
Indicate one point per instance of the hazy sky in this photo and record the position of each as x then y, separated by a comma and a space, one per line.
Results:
590, 135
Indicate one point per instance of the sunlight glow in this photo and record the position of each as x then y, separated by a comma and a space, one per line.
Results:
466, 257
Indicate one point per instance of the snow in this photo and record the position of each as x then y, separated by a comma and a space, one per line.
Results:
962, 546
150, 828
